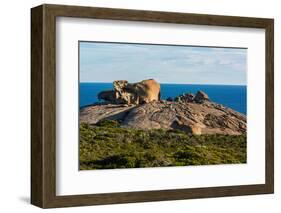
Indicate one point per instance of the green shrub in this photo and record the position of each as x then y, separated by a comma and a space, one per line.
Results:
106, 145
108, 123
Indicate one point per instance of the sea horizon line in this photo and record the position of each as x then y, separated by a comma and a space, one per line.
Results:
218, 84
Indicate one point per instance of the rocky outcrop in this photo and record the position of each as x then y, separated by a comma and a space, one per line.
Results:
132, 94
200, 97
185, 98
193, 117
138, 105
97, 112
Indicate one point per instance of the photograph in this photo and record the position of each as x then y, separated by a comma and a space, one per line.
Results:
140, 105
161, 105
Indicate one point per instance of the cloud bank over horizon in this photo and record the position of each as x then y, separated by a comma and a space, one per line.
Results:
106, 62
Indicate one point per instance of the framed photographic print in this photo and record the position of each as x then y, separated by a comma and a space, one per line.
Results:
137, 106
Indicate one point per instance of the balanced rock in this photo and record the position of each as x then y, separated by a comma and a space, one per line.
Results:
136, 93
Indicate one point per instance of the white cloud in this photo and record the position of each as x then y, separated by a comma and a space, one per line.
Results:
110, 61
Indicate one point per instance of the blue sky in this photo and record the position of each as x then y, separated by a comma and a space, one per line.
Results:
106, 62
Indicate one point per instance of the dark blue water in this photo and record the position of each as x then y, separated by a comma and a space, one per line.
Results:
234, 97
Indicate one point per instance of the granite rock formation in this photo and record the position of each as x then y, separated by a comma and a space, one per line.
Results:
192, 114
135, 93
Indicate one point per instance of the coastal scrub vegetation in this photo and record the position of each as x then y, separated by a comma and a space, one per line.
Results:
107, 145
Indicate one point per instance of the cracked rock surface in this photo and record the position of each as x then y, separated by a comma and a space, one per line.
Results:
194, 118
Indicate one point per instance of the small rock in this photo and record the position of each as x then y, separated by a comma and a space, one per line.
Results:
200, 97
177, 99
170, 99
185, 97
196, 129
189, 97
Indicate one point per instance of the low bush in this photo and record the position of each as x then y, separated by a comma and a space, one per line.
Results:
107, 145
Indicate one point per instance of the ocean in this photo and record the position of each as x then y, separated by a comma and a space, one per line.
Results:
231, 96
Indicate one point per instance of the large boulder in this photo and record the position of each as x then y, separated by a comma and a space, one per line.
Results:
136, 93
187, 125
190, 117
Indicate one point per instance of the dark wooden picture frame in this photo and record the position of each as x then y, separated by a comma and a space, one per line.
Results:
43, 105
